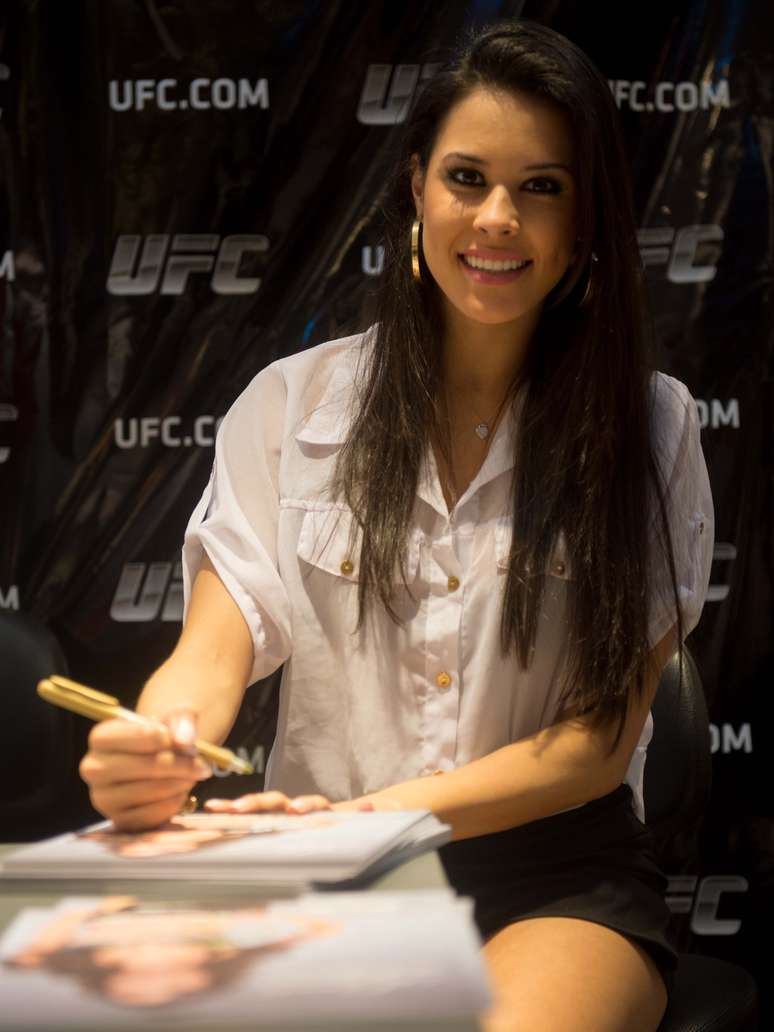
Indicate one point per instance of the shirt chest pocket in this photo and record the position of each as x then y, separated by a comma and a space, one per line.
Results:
558, 566
330, 540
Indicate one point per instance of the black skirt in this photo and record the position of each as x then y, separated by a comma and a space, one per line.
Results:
595, 862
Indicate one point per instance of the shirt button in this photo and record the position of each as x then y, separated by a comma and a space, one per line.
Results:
453, 583
559, 567
443, 680
347, 567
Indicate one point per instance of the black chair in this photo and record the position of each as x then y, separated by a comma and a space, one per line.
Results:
709, 994
36, 738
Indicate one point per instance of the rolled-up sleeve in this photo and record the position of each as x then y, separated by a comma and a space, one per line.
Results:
689, 507
235, 521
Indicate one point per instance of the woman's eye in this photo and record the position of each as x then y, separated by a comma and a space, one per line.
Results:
547, 185
471, 177
463, 176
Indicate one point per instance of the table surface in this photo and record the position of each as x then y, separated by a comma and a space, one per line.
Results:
421, 872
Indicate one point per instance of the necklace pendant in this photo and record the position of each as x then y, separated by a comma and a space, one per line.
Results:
483, 431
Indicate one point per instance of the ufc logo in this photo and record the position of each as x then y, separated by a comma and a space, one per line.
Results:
702, 904
723, 552
8, 414
146, 590
661, 245
190, 252
387, 95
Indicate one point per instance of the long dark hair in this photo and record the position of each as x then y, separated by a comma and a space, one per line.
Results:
585, 463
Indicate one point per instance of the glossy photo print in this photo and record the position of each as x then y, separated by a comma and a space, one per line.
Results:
87, 963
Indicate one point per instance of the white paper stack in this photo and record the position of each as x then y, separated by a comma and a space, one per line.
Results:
326, 848
322, 960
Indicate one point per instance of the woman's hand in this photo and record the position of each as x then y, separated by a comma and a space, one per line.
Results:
278, 802
139, 776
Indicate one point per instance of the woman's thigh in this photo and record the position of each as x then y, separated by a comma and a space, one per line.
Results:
566, 974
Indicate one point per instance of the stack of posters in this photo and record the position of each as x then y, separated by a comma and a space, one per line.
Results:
325, 849
319, 961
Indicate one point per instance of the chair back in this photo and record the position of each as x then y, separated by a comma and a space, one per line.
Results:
678, 769
36, 738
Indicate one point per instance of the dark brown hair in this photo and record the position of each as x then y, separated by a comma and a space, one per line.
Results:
585, 462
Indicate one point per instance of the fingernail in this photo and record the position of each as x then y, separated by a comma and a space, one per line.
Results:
299, 806
203, 770
185, 732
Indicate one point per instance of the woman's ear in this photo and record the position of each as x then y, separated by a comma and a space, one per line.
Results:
417, 184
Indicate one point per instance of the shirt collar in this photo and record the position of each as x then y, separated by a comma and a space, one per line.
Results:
330, 421
499, 459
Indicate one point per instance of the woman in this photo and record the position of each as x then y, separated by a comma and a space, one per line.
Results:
475, 534
136, 955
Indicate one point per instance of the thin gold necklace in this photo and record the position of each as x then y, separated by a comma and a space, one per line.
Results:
483, 430
484, 427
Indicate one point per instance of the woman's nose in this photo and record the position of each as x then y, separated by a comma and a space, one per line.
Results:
497, 213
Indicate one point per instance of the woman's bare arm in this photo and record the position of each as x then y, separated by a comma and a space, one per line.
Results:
208, 671
140, 776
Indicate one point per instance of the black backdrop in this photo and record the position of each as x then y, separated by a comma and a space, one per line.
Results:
189, 192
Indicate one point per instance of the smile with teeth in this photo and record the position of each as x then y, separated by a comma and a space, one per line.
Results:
490, 265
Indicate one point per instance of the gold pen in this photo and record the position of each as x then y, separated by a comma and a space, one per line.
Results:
97, 706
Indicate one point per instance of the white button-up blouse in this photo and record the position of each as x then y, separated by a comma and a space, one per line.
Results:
359, 711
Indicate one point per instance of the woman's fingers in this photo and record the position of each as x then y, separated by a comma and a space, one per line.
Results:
137, 806
99, 769
132, 794
253, 802
140, 775
120, 736
176, 731
181, 722
354, 805
278, 802
149, 814
308, 803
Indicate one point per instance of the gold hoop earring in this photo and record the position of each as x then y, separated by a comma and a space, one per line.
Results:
415, 229
586, 292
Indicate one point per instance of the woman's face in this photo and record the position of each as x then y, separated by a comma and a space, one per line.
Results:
499, 185
151, 974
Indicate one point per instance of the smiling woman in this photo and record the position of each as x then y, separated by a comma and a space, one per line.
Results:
502, 211
497, 204
477, 530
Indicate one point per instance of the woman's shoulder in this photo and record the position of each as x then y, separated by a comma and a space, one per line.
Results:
671, 402
316, 365
286, 393
286, 381
674, 418
669, 394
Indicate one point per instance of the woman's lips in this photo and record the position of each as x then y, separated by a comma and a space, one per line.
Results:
488, 276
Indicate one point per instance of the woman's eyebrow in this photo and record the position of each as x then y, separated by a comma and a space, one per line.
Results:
526, 168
